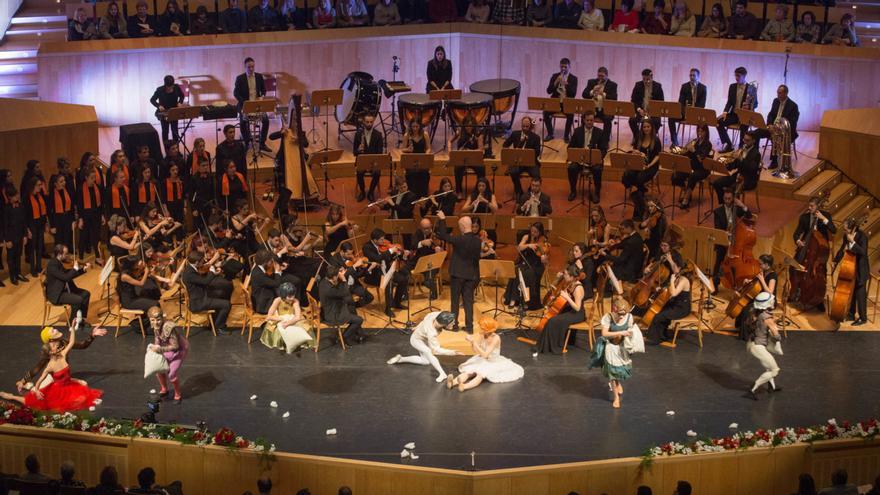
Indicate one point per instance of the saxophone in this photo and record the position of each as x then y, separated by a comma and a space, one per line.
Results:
780, 136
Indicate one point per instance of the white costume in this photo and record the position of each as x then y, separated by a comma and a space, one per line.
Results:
496, 368
424, 340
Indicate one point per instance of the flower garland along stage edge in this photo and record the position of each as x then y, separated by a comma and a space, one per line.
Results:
224, 437
831, 430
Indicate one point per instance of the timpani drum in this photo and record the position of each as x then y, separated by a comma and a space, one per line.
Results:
471, 106
418, 106
505, 96
360, 96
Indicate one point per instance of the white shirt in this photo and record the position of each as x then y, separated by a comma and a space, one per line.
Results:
252, 86
427, 333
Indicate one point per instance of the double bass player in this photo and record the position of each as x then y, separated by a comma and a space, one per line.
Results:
813, 237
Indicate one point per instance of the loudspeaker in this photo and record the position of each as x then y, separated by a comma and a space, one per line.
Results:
133, 136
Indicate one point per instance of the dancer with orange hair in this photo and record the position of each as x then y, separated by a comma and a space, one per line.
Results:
487, 363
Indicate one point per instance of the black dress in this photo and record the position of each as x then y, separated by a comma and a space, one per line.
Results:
552, 339
335, 239
418, 180
128, 298
640, 178
678, 307
698, 171
532, 271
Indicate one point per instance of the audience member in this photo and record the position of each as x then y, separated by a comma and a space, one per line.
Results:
81, 27
173, 21
293, 17
262, 17
142, 24
113, 24
807, 29
413, 11
478, 11
875, 490
742, 25
625, 18
644, 490
32, 467
843, 33
591, 18
147, 483
67, 475
658, 22
442, 11
202, 24
351, 13
839, 485
566, 14
108, 483
344, 490
684, 23
324, 15
715, 24
779, 28
233, 19
512, 12
538, 13
264, 485
682, 488
806, 485
386, 13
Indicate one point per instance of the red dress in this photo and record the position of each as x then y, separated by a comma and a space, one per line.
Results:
63, 394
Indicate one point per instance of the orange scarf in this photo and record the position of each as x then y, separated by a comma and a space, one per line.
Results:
224, 184
115, 168
38, 206
87, 198
62, 201
143, 192
173, 190
114, 196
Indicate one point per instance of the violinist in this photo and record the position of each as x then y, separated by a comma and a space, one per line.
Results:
487, 243
135, 288
371, 142
599, 233
200, 191
725, 218
299, 241
534, 254
572, 291
336, 304
579, 256
60, 288
697, 150
384, 255
587, 136
297, 266
356, 269
123, 240
233, 186
677, 307
435, 202
219, 259
156, 228
173, 189
629, 262
244, 226
196, 157
145, 192
745, 168
481, 199
37, 220
198, 286
425, 242
118, 196
534, 203
654, 227
525, 138
337, 227
144, 161
856, 242
266, 278
91, 214
61, 211
417, 140
464, 268
467, 137
647, 145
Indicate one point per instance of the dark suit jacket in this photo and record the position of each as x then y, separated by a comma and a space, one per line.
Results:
465, 262
610, 89
629, 263
860, 249
686, 98
371, 252
532, 142
197, 285
241, 88
803, 227
720, 218
749, 166
59, 280
335, 302
263, 289
374, 147
730, 106
403, 209
790, 113
638, 93
570, 85
597, 139
544, 207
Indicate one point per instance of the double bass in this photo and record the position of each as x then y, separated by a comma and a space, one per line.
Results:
740, 264
841, 297
809, 287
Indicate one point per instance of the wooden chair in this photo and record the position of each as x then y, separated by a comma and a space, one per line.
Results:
587, 325
692, 322
251, 317
317, 324
188, 314
48, 305
129, 314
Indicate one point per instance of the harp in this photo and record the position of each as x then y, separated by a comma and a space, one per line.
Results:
298, 176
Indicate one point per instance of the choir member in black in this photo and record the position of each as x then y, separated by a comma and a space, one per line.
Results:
123, 240
467, 137
118, 161
14, 232
649, 146
601, 89
4, 180
654, 225
402, 205
60, 288
356, 268
645, 90
87, 163
244, 225
745, 168
563, 84
856, 242
552, 339
167, 96
145, 192
143, 162
172, 191
198, 286
61, 211
232, 149
264, 285
524, 139
768, 279
481, 199
157, 229
198, 155
368, 141
201, 192
534, 203
697, 150
64, 170
173, 156
783, 108
628, 263
738, 96
233, 186
336, 302
678, 306
464, 268
337, 228
445, 203
385, 257
249, 86
534, 254
37, 215
587, 136
425, 241
439, 71
32, 169
725, 218
417, 140
691, 94
119, 196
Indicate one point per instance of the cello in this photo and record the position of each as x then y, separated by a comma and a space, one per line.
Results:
744, 296
740, 264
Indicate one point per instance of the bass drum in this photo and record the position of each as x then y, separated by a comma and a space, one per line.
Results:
360, 96
418, 106
472, 106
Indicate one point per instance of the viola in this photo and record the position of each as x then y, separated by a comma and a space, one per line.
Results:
128, 235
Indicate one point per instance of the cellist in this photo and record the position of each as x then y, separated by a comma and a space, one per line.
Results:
808, 287
856, 242
725, 217
552, 338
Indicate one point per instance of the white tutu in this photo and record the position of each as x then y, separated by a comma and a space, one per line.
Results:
496, 369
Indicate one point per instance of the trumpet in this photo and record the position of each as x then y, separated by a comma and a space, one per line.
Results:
598, 94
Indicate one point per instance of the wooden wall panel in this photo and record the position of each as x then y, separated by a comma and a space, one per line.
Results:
46, 145
850, 139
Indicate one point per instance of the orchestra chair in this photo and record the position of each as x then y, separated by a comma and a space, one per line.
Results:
72, 490
768, 143
318, 325
48, 305
742, 195
251, 317
188, 314
128, 315
586, 325
691, 321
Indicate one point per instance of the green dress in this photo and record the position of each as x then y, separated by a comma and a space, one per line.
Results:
271, 337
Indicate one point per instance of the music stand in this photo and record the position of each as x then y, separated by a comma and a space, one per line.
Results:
696, 116
788, 264
542, 104
626, 161
587, 158
398, 227
714, 167
322, 158
578, 106
104, 281
326, 98
250, 109
497, 270
705, 240
444, 95
370, 163
677, 164
664, 109
465, 159
426, 264
451, 222
415, 162
750, 119
516, 157
186, 113
497, 168
618, 109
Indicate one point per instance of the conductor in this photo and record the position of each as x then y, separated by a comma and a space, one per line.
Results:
464, 269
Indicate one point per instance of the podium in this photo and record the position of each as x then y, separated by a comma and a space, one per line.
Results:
617, 109
659, 109
626, 161
677, 164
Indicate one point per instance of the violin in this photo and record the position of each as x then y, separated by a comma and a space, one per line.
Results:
128, 235
486, 243
357, 259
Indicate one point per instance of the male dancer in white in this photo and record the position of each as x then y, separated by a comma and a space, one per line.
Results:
424, 340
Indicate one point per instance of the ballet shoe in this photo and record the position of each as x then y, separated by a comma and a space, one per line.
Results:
461, 387
441, 378
394, 360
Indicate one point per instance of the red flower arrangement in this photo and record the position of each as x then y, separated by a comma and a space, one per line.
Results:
224, 437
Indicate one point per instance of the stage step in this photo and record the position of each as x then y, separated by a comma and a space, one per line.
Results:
822, 182
840, 195
18, 78
872, 222
859, 205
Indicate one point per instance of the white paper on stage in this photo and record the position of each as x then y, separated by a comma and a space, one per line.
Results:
386, 278
107, 270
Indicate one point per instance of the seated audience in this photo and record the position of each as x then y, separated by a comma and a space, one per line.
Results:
843, 33
807, 29
644, 490
81, 27
262, 17
108, 483
233, 19
658, 22
591, 18
324, 15
683, 488
142, 24
386, 13
147, 484
293, 17
742, 25
806, 485
715, 24
173, 21
113, 24
566, 14
351, 13
839, 485
202, 24
538, 13
67, 475
684, 22
344, 490
625, 18
512, 12
413, 11
477, 11
32, 467
264, 485
442, 10
875, 490
779, 28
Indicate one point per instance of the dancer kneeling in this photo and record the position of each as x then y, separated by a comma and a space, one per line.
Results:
172, 346
285, 328
424, 340
488, 363
620, 338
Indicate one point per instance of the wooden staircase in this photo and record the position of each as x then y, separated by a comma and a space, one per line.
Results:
36, 21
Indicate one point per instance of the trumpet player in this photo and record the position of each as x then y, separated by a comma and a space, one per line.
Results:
368, 142
534, 203
782, 108
745, 168
587, 136
691, 94
696, 150
739, 95
563, 84
600, 89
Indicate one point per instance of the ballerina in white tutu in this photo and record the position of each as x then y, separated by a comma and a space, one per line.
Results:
488, 363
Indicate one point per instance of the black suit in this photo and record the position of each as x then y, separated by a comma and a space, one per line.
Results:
805, 226
60, 288
598, 140
730, 107
720, 221
571, 84
688, 96
629, 263
610, 94
464, 271
336, 302
430, 277
790, 112
198, 286
352, 276
544, 206
859, 304
638, 100
530, 141
399, 281
264, 288
242, 94
375, 146
749, 166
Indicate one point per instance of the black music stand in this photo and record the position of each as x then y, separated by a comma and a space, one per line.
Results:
426, 264
674, 163
370, 163
587, 158
466, 159
326, 98
516, 157
542, 104
626, 161
252, 109
497, 270
617, 109
183, 113
664, 110
705, 240
322, 158
414, 162
443, 96
750, 119
714, 167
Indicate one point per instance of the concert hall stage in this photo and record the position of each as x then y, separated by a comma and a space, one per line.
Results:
559, 412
